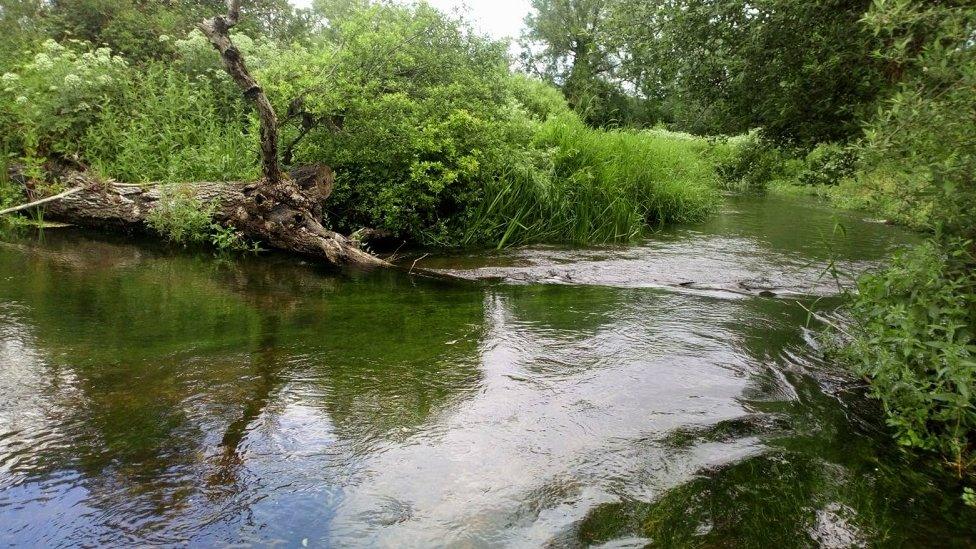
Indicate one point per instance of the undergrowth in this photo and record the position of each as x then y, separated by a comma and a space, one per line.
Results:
182, 219
433, 140
596, 186
915, 341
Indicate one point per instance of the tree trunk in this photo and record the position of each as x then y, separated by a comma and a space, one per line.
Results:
217, 30
290, 224
278, 211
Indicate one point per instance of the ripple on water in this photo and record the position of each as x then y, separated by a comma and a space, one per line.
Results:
160, 398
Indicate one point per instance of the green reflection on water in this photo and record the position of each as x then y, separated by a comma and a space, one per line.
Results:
259, 400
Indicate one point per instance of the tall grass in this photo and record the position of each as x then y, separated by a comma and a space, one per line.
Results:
166, 127
596, 186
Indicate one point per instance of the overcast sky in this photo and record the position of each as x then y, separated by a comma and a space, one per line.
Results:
499, 18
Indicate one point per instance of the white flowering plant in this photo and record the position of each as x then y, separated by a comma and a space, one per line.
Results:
50, 100
195, 56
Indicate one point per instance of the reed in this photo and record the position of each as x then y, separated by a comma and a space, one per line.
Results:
596, 186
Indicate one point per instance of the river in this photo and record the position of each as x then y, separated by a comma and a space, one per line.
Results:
668, 393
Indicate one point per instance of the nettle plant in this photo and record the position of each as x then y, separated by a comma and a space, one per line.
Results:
183, 219
49, 101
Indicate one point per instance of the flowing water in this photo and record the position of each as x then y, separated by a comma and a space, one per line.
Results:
664, 394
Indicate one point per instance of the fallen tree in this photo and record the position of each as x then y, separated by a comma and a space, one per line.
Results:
280, 210
288, 222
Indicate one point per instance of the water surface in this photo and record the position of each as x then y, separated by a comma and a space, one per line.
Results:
662, 394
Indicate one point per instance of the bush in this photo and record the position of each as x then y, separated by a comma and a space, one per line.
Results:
539, 99
828, 164
78, 104
920, 149
416, 113
169, 127
21, 29
47, 104
10, 194
750, 163
916, 344
182, 219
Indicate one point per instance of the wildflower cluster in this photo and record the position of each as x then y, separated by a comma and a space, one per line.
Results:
53, 97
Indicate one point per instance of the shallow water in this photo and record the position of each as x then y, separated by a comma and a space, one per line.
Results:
660, 394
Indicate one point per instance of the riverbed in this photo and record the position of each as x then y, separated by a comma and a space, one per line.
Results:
668, 393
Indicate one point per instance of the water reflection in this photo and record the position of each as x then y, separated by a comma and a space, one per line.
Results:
560, 425
751, 248
185, 379
156, 396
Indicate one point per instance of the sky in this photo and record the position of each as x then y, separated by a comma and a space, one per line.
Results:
498, 18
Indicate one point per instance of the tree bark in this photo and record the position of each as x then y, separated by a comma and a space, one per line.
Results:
291, 224
217, 30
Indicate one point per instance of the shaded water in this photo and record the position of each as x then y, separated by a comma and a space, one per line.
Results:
661, 394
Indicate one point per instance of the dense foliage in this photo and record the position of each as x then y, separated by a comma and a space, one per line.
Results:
572, 43
416, 116
918, 318
920, 149
799, 69
431, 136
915, 342
133, 27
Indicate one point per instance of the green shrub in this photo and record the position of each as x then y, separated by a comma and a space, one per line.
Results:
749, 163
169, 127
183, 219
538, 98
21, 29
47, 104
417, 116
78, 104
828, 164
180, 217
920, 149
914, 341
9, 193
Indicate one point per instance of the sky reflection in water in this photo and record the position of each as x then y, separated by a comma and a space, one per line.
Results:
157, 396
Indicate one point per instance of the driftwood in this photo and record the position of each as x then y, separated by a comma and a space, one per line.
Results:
41, 202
